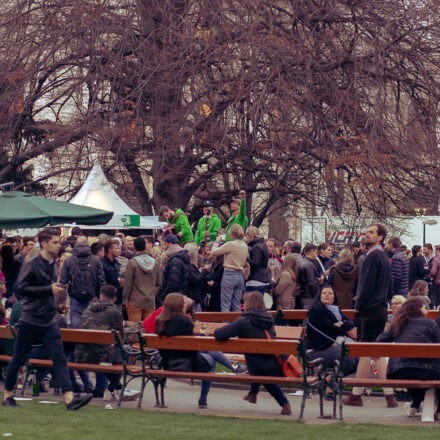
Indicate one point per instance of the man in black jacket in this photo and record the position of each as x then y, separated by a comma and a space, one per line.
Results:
373, 290
176, 271
112, 268
36, 284
308, 278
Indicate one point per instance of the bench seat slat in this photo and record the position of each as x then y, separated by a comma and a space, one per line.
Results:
391, 383
228, 377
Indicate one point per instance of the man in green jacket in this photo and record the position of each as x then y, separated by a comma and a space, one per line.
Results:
178, 219
208, 225
238, 209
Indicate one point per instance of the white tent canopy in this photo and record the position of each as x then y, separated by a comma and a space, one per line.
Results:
97, 192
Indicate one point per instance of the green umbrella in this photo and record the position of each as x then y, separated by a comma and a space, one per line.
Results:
21, 210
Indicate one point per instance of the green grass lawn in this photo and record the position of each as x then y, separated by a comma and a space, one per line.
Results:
36, 421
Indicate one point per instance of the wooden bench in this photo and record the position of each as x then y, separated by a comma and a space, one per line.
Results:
386, 349
128, 371
286, 314
235, 345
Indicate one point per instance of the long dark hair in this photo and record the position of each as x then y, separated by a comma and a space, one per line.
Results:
10, 265
172, 307
412, 308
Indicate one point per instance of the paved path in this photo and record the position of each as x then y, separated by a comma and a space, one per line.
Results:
182, 397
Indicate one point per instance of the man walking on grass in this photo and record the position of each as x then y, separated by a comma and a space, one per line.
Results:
38, 288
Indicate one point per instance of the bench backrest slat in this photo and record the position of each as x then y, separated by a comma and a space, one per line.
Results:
379, 349
87, 336
5, 332
242, 345
288, 314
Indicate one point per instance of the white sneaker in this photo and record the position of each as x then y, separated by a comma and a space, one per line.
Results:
410, 412
110, 396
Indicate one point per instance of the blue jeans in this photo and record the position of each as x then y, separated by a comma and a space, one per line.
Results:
260, 289
232, 286
206, 384
273, 389
76, 310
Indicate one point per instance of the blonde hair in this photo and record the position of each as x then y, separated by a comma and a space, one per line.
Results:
236, 231
346, 257
252, 230
291, 266
399, 298
192, 253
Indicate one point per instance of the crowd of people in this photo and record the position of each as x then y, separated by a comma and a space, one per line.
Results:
104, 282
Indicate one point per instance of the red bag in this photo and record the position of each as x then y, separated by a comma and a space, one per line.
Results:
291, 366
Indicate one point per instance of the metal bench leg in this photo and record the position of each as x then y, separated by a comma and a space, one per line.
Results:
141, 396
162, 394
303, 404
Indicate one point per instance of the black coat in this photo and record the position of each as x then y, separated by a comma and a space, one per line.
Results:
197, 283
308, 279
253, 324
258, 261
418, 330
181, 360
216, 276
175, 274
34, 285
321, 318
111, 273
416, 270
374, 285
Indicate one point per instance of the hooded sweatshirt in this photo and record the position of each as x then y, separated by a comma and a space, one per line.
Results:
253, 324
343, 278
100, 315
141, 281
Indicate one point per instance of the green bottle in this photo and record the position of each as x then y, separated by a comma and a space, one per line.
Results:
35, 385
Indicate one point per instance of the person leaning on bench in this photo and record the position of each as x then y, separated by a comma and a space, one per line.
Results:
37, 286
411, 325
253, 324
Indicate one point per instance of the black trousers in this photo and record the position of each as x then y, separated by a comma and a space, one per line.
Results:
52, 343
417, 394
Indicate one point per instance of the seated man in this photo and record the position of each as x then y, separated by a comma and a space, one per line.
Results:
102, 315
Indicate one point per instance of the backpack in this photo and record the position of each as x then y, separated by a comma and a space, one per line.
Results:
82, 284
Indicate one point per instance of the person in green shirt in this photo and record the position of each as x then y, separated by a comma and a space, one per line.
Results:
238, 209
180, 222
208, 225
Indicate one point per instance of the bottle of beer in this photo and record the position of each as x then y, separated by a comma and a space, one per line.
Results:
35, 384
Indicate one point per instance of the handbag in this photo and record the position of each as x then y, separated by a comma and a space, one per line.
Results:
291, 366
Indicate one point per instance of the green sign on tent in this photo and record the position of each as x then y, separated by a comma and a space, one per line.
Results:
131, 220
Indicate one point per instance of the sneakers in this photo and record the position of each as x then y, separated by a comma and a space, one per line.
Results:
410, 411
239, 369
10, 401
391, 401
130, 395
110, 396
250, 397
286, 410
353, 400
203, 403
79, 401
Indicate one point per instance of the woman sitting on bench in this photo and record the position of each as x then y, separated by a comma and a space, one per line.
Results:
173, 322
254, 323
411, 325
326, 328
